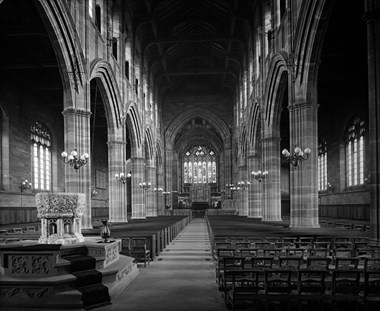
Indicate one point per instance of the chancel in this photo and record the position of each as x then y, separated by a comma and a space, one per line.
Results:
181, 155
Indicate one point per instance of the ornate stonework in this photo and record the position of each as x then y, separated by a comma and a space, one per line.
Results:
60, 215
23, 292
29, 264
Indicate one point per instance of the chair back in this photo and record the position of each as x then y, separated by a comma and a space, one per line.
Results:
311, 282
345, 282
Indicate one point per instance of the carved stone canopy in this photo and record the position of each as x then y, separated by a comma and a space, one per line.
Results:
58, 205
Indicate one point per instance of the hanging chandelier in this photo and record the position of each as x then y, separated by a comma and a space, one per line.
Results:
122, 177
243, 185
260, 175
297, 157
74, 160
144, 185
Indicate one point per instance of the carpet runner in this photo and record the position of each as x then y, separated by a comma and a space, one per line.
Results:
89, 281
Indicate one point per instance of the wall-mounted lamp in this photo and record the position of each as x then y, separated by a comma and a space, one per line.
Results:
298, 155
367, 180
122, 177
260, 175
94, 193
330, 187
26, 185
74, 160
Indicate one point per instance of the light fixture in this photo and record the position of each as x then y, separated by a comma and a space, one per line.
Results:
234, 189
243, 184
94, 193
330, 187
122, 177
157, 190
298, 155
260, 175
73, 159
144, 185
26, 185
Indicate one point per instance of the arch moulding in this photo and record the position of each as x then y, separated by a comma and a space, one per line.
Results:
217, 122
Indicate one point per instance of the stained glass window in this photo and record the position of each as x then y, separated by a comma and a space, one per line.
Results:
199, 165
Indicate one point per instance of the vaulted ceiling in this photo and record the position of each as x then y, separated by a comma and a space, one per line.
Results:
192, 45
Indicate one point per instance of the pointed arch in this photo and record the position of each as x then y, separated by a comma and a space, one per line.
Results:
276, 82
58, 21
310, 32
243, 143
254, 125
134, 126
159, 155
195, 137
149, 141
216, 121
103, 71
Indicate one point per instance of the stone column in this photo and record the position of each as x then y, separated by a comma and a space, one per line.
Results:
138, 176
221, 180
304, 177
77, 136
151, 196
243, 192
228, 166
175, 182
116, 189
372, 20
255, 191
271, 188
168, 175
160, 198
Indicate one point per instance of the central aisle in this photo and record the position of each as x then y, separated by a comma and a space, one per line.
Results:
181, 278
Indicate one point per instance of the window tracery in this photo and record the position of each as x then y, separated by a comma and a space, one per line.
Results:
41, 156
199, 166
355, 153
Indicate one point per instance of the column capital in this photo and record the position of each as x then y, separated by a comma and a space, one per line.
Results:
300, 106
76, 111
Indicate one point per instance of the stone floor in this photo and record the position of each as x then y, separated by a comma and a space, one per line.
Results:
181, 278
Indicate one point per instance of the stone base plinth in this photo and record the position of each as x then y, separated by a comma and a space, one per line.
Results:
44, 281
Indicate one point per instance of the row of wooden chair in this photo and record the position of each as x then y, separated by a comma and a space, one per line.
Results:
294, 263
273, 285
302, 252
305, 242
